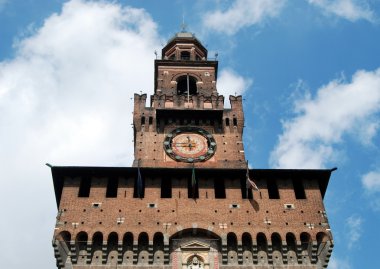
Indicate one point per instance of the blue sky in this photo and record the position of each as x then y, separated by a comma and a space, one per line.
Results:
309, 71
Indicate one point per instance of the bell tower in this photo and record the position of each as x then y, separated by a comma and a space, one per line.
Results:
189, 200
186, 123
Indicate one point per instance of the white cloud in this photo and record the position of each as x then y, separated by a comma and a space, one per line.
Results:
241, 14
337, 263
231, 83
371, 184
371, 181
65, 99
354, 230
339, 108
351, 10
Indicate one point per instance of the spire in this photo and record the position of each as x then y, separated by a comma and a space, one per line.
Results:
183, 25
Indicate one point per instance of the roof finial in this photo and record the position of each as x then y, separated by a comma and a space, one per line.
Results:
183, 25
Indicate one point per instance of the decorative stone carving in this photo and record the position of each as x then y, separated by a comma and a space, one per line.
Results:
195, 263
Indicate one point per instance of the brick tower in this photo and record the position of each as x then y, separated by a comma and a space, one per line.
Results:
185, 202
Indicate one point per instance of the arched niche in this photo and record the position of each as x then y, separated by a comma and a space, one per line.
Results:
128, 248
143, 245
247, 248
97, 243
112, 250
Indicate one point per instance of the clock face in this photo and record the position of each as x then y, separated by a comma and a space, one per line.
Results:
189, 144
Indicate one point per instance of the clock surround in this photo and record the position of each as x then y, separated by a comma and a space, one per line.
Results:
189, 144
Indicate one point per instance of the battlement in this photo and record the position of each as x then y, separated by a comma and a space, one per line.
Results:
103, 219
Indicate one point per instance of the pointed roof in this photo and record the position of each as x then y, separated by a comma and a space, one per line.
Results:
184, 37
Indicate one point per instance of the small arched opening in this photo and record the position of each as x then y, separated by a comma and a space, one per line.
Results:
305, 245
262, 246
143, 244
63, 242
276, 241
291, 244
81, 246
186, 85
322, 242
246, 240
232, 248
97, 242
128, 248
112, 248
158, 248
277, 248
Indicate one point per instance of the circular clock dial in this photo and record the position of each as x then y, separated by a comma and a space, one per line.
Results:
189, 144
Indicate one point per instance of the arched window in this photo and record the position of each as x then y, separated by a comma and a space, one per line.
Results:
64, 236
262, 242
276, 241
112, 250
112, 241
143, 244
322, 240
305, 241
292, 247
158, 248
183, 83
291, 241
232, 248
81, 246
128, 248
97, 252
247, 241
247, 248
185, 55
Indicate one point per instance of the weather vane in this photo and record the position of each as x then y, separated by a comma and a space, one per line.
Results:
183, 25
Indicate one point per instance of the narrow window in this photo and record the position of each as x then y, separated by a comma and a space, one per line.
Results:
235, 121
84, 187
219, 188
299, 189
185, 55
166, 188
192, 189
272, 189
112, 186
150, 120
245, 193
142, 120
227, 122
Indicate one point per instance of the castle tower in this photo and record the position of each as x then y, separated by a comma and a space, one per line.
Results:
187, 201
